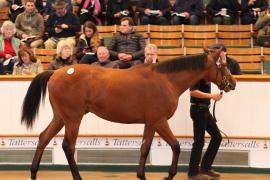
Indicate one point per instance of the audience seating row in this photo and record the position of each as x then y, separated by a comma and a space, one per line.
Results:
191, 35
251, 60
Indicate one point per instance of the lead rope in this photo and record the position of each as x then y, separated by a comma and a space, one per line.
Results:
214, 115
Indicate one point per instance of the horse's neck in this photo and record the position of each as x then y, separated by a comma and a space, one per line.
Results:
185, 79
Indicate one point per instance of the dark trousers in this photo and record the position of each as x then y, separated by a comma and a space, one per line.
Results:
158, 20
203, 120
127, 64
88, 59
193, 20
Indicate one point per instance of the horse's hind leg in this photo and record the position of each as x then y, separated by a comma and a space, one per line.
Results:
44, 138
71, 134
165, 132
145, 148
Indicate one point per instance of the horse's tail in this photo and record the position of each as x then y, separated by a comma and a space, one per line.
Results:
32, 98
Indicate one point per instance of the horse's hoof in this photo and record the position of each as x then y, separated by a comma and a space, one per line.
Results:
31, 179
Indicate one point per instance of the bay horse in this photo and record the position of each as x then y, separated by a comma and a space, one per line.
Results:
146, 94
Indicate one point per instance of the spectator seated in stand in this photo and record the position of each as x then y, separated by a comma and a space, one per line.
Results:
49, 9
61, 26
223, 12
17, 7
263, 27
90, 10
103, 56
127, 46
88, 43
251, 10
63, 57
186, 11
27, 64
154, 12
150, 54
118, 9
9, 46
30, 25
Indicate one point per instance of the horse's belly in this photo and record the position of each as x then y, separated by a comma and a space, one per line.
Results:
120, 117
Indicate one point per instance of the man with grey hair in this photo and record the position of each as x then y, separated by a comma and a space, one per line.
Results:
103, 56
150, 53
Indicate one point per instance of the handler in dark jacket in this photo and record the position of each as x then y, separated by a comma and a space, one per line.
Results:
127, 46
232, 64
154, 11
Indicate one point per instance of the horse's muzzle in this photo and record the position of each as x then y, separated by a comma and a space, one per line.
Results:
228, 86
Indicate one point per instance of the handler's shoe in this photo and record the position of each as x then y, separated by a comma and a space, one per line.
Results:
198, 177
213, 174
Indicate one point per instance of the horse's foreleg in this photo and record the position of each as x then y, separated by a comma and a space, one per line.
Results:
165, 132
44, 138
145, 148
71, 134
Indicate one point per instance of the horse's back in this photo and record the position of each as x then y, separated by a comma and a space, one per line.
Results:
125, 96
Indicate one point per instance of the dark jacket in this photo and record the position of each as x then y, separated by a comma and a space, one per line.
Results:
69, 18
214, 6
2, 69
114, 7
262, 25
59, 63
246, 8
233, 66
163, 5
90, 44
193, 7
107, 64
132, 43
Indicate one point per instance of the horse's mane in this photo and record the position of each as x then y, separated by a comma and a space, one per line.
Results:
192, 62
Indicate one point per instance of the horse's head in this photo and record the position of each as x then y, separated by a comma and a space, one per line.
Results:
218, 71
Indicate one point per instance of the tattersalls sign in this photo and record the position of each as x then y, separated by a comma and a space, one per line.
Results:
132, 142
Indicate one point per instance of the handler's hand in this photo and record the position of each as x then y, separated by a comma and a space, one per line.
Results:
217, 96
